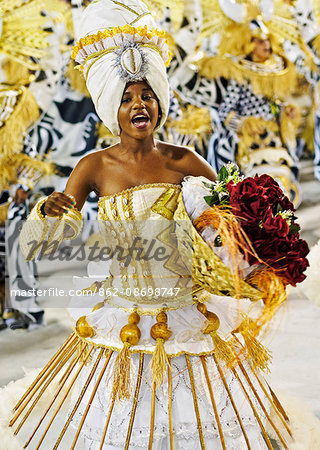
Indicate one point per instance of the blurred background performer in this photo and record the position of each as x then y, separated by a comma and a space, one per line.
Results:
64, 132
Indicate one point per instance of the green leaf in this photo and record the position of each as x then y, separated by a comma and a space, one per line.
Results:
223, 174
294, 228
212, 199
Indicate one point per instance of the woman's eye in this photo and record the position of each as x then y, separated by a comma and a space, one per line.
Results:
147, 97
125, 100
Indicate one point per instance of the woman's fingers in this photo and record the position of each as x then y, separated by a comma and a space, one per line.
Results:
58, 203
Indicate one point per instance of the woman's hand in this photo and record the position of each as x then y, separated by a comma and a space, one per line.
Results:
58, 203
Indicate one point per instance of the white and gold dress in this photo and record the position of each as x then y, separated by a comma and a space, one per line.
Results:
160, 369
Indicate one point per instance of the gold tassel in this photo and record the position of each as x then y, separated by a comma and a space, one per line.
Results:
258, 354
160, 333
130, 335
223, 350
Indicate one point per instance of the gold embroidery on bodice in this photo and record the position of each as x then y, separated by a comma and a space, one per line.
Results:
144, 214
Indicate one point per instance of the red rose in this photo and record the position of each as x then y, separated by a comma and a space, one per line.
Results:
285, 204
277, 226
301, 247
247, 200
294, 269
274, 192
271, 187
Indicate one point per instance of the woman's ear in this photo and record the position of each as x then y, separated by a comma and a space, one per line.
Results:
159, 119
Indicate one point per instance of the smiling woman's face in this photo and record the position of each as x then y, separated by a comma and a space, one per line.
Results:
139, 110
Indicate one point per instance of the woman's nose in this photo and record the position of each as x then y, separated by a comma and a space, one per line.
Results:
138, 103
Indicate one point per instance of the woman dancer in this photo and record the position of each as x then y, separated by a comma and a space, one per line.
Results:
168, 357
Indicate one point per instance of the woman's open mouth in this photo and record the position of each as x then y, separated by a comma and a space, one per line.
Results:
140, 120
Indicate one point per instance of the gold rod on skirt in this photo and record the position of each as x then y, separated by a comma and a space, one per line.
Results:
232, 401
92, 395
263, 430
215, 410
170, 404
262, 405
195, 402
42, 380
43, 389
76, 406
30, 388
135, 401
72, 365
66, 393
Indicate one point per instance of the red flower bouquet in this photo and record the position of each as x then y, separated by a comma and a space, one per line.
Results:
267, 218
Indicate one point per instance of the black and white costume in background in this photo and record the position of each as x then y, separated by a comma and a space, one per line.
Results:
67, 132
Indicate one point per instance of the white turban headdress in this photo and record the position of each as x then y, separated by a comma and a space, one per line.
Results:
119, 43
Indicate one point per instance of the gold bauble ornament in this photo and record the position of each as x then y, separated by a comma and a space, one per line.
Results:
83, 328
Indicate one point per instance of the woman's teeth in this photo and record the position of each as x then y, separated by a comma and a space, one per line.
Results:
140, 121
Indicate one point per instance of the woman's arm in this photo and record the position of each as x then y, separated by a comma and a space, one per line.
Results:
79, 186
195, 165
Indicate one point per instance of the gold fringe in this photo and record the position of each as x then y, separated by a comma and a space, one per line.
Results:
231, 233
258, 354
16, 73
25, 113
244, 151
273, 293
277, 84
121, 389
272, 288
208, 270
160, 333
159, 363
11, 173
316, 43
76, 79
4, 213
289, 127
84, 353
194, 121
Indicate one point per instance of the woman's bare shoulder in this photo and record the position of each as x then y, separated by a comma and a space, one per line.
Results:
187, 160
95, 159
